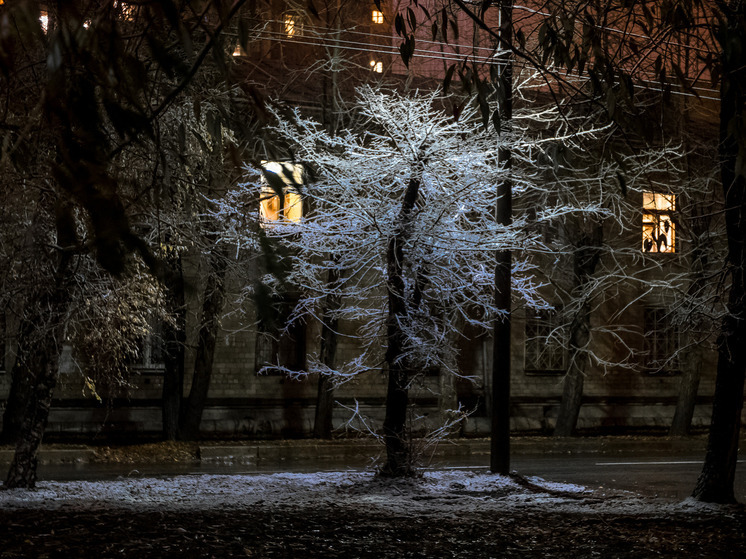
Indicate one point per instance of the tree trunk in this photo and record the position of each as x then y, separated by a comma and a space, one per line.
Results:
322, 425
586, 256
398, 454
500, 437
212, 308
572, 391
22, 472
43, 361
174, 341
688, 388
715, 483
21, 384
700, 221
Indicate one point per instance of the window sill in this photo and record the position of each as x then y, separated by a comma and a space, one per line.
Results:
544, 372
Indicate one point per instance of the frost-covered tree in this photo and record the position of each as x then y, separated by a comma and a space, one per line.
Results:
404, 208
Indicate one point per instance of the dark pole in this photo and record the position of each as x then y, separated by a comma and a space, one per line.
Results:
500, 441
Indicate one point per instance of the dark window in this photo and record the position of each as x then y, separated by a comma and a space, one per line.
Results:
661, 343
151, 351
545, 343
285, 348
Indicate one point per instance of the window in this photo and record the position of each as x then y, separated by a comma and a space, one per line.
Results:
661, 342
286, 348
44, 20
288, 176
545, 343
377, 16
293, 25
658, 227
376, 66
128, 10
151, 349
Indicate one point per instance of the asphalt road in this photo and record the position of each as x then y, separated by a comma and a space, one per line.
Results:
671, 477
654, 474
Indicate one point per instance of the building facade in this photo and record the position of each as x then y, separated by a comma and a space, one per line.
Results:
640, 351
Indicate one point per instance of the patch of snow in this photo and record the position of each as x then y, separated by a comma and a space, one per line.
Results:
437, 492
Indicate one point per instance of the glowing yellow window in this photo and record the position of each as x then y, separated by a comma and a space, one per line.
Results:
290, 207
293, 25
376, 66
377, 16
44, 21
129, 11
658, 227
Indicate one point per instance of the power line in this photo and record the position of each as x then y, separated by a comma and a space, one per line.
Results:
325, 40
373, 48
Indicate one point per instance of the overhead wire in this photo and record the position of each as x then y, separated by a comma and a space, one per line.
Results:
325, 39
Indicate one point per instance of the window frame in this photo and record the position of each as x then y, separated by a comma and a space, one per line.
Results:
544, 325
145, 362
656, 220
278, 341
292, 25
293, 206
660, 356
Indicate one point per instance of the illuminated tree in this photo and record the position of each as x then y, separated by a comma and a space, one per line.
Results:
402, 209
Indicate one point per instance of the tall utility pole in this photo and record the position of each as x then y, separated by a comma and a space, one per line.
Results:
500, 438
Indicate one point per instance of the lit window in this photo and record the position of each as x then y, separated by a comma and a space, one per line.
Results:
376, 66
377, 16
44, 20
661, 342
293, 25
128, 10
658, 228
271, 207
545, 343
238, 51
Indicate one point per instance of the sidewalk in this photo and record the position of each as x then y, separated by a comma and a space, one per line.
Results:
351, 450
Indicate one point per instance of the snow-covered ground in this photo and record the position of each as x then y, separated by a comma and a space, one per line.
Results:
450, 492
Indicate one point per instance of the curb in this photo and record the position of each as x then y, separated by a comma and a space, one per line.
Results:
359, 452
72, 455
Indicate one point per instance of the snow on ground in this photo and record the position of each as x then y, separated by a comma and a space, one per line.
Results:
448, 493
